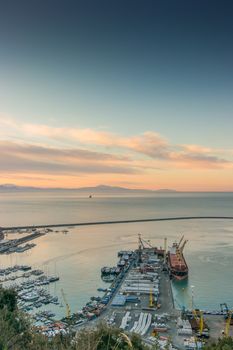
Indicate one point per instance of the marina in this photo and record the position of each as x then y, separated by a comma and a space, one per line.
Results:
14, 245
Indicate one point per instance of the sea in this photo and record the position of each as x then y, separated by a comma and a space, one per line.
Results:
77, 257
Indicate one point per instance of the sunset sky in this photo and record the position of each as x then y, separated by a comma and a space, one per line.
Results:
129, 93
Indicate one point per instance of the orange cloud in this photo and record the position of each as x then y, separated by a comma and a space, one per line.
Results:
94, 155
150, 144
21, 157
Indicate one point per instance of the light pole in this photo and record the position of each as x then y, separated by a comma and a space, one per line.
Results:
192, 297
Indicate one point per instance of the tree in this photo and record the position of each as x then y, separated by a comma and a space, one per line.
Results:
222, 344
17, 333
8, 299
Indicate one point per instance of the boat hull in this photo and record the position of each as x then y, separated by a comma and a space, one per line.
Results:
179, 278
177, 266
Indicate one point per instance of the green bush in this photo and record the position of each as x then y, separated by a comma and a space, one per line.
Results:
16, 333
222, 344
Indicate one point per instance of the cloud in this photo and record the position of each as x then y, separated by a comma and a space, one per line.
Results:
20, 157
134, 151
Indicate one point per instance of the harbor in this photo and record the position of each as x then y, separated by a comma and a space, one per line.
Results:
135, 294
140, 300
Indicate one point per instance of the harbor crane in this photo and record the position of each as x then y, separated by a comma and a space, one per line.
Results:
151, 299
228, 323
198, 315
142, 245
181, 248
143, 242
68, 312
180, 240
228, 317
225, 306
227, 310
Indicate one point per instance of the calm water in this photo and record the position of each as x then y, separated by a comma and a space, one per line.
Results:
78, 256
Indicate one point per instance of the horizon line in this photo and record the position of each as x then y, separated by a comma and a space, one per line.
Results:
168, 190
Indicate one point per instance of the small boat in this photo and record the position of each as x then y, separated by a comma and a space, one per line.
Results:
54, 279
25, 267
108, 278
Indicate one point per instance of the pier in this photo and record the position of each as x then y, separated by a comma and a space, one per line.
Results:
11, 245
139, 300
114, 222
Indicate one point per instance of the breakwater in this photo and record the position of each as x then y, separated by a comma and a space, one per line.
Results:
114, 222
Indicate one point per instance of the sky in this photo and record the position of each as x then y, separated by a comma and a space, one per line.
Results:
125, 93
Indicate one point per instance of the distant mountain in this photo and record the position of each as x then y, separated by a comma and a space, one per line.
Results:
116, 190
101, 189
12, 187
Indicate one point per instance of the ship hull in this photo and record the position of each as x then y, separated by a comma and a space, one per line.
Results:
178, 272
179, 278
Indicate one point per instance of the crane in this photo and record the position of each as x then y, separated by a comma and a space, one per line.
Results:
225, 306
141, 246
151, 299
180, 240
228, 317
228, 323
68, 313
142, 242
201, 323
198, 315
165, 250
183, 245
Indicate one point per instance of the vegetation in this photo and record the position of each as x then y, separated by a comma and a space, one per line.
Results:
17, 333
222, 344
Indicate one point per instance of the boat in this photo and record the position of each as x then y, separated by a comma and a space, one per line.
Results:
37, 272
22, 249
108, 278
121, 263
54, 279
105, 270
177, 266
25, 267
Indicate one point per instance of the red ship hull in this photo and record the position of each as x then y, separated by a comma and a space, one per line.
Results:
179, 278
177, 266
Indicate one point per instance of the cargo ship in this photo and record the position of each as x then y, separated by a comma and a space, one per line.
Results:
177, 266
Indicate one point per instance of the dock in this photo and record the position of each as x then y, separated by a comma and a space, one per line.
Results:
139, 300
11, 245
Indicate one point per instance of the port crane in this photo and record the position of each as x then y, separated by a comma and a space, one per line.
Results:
181, 248
151, 299
228, 323
198, 315
143, 243
180, 241
68, 312
229, 318
225, 306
